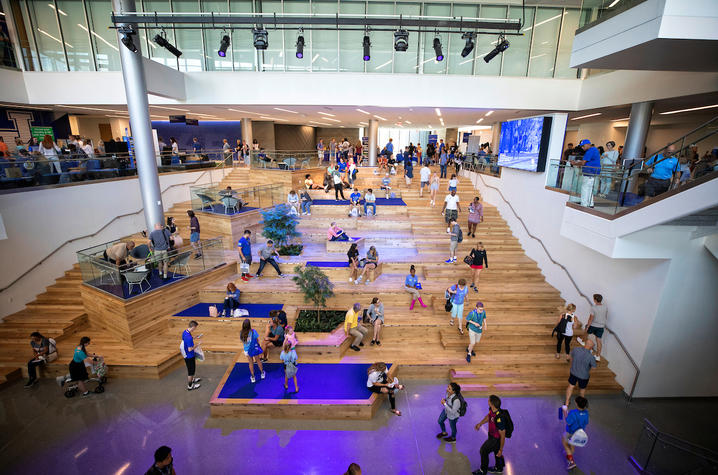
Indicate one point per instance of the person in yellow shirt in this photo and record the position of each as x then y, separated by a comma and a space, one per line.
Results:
353, 327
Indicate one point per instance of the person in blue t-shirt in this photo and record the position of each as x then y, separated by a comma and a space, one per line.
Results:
389, 149
443, 161
196, 146
188, 353
355, 197
663, 170
245, 254
457, 294
575, 419
411, 285
476, 324
590, 164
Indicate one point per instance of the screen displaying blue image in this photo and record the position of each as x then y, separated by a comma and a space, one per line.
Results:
520, 143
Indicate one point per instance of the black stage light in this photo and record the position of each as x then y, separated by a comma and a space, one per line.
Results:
469, 46
300, 47
223, 45
502, 46
401, 40
127, 32
261, 38
366, 45
162, 41
437, 49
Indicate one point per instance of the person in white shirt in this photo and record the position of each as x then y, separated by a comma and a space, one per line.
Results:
87, 148
425, 174
49, 150
608, 162
451, 208
369, 200
293, 200
350, 172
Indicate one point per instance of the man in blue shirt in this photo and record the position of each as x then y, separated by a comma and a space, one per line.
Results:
245, 254
663, 170
443, 160
355, 197
188, 353
591, 167
575, 419
476, 324
196, 146
389, 149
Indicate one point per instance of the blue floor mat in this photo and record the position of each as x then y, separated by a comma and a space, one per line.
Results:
123, 290
219, 209
256, 310
346, 381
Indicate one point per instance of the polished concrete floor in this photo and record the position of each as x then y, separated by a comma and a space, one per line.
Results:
117, 432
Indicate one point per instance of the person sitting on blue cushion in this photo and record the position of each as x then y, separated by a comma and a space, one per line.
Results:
336, 233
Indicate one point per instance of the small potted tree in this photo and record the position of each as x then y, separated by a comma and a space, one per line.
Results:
280, 225
317, 288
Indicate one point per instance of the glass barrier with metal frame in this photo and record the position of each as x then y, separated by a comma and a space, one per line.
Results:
211, 198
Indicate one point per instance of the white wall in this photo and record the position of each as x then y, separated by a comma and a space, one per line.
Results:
39, 221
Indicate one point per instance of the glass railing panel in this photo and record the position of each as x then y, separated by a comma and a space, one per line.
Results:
212, 198
484, 164
143, 270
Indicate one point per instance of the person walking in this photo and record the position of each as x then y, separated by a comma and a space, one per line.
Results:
231, 301
244, 246
453, 183
597, 323
451, 208
475, 324
455, 234
408, 171
352, 327
378, 382
443, 159
476, 215
252, 349
289, 358
79, 363
376, 317
434, 187
266, 256
567, 322
424, 176
451, 405
457, 293
353, 256
187, 348
160, 245
412, 285
496, 440
163, 462
582, 361
576, 420
479, 260
590, 165
194, 233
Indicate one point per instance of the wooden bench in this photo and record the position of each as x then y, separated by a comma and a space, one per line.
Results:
343, 246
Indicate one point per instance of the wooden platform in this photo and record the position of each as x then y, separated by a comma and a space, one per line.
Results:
343, 246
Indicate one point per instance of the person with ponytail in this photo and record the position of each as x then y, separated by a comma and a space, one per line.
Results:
250, 339
78, 370
412, 285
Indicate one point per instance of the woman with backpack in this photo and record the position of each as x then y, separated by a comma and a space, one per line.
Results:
453, 406
252, 349
564, 330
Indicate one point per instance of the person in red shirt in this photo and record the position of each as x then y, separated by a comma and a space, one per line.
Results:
3, 148
495, 442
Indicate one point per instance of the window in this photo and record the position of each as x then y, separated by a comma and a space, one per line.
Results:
545, 40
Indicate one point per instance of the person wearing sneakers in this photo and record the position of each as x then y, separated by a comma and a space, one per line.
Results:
582, 361
376, 317
252, 349
564, 330
455, 233
451, 208
496, 440
476, 215
266, 256
378, 382
369, 200
479, 260
412, 285
425, 175
451, 404
458, 293
434, 188
597, 322
353, 260
187, 348
576, 419
244, 246
370, 264
386, 185
476, 324
352, 327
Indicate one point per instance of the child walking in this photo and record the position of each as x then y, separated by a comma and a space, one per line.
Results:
289, 358
250, 339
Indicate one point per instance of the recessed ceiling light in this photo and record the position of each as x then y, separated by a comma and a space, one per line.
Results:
619, 120
272, 118
364, 112
438, 111
285, 110
489, 113
379, 117
689, 110
326, 113
333, 120
407, 122
586, 116
479, 121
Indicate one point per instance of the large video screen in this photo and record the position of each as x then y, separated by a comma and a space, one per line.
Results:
524, 142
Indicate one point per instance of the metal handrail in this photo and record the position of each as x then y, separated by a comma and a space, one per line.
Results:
91, 234
573, 282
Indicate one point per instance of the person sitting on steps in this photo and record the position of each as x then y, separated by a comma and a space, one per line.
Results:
336, 233
377, 382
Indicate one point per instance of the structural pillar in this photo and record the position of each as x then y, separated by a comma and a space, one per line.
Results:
495, 136
246, 125
638, 123
373, 134
133, 73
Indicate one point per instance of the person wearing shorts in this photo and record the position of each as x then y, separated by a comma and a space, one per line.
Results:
425, 176
273, 338
575, 419
458, 293
582, 361
597, 322
476, 324
160, 244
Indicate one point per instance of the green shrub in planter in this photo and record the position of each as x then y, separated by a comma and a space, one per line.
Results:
280, 225
315, 286
329, 320
290, 250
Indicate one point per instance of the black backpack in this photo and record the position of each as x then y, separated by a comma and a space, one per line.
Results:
460, 236
463, 406
561, 327
508, 423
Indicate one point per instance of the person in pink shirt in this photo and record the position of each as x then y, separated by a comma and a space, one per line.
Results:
336, 233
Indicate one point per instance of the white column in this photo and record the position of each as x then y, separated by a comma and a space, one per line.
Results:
373, 134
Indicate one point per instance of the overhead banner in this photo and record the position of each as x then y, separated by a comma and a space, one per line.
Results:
465, 138
433, 138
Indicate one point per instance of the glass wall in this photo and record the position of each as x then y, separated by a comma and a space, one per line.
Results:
76, 35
